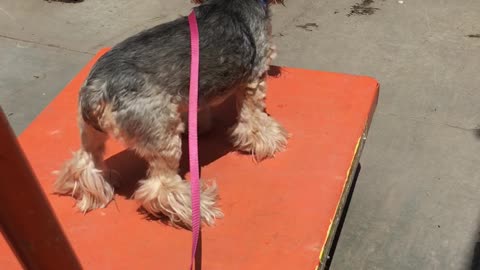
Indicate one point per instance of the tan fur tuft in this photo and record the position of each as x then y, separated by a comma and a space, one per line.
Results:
170, 196
82, 180
256, 132
81, 177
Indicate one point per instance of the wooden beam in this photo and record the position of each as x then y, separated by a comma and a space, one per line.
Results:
26, 218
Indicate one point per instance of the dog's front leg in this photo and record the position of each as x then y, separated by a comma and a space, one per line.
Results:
256, 132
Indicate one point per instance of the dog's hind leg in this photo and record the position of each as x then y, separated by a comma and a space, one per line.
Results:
164, 192
255, 131
82, 176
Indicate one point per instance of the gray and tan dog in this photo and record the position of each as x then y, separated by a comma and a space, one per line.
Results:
138, 93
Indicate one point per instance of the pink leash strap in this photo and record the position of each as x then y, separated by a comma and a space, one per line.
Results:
192, 134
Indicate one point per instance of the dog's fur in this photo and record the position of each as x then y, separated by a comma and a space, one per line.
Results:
138, 93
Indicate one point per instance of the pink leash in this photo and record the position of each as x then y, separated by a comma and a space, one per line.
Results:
192, 134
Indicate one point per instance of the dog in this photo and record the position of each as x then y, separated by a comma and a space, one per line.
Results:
138, 93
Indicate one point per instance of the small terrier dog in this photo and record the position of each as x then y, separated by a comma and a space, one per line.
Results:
138, 93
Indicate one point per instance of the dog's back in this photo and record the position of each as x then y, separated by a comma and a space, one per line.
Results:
160, 56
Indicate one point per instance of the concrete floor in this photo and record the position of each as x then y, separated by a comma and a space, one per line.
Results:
416, 203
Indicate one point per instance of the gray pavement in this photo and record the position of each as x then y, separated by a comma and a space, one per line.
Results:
416, 202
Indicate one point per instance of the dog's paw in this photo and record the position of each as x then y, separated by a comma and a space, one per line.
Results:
170, 197
80, 179
208, 200
263, 138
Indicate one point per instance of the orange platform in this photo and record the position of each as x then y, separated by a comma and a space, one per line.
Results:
279, 214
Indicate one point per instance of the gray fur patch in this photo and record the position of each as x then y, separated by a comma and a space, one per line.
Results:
146, 72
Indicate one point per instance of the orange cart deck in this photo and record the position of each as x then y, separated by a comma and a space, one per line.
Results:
279, 214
